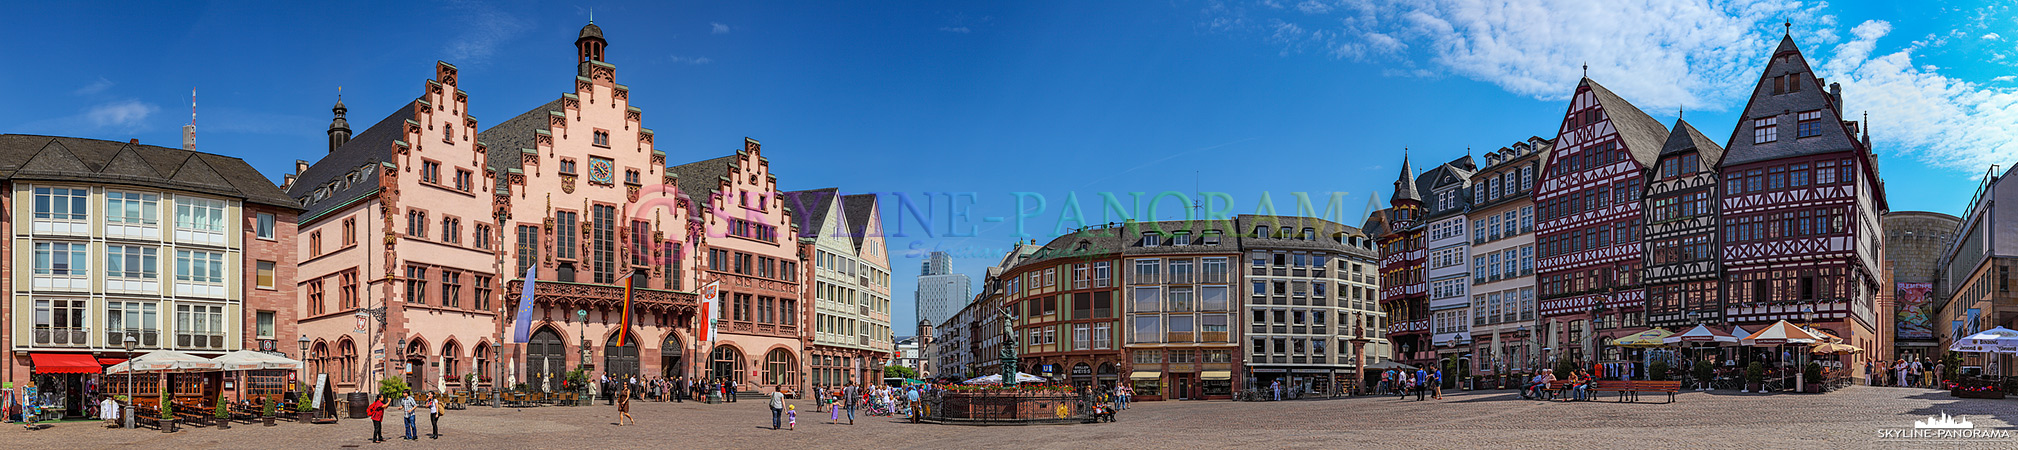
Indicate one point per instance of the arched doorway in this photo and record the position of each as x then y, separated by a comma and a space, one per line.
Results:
621, 360
726, 363
670, 355
416, 366
779, 369
546, 355
1082, 375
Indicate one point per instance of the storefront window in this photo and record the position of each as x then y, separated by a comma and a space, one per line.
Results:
1149, 387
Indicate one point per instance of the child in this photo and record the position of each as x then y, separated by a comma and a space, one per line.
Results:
792, 417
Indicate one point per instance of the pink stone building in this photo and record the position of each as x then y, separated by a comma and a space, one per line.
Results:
399, 247
750, 246
590, 203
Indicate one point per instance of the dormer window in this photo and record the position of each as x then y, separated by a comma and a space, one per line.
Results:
1261, 232
1309, 234
1210, 237
1151, 239
1180, 238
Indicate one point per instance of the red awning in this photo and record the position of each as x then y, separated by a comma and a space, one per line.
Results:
110, 361
64, 363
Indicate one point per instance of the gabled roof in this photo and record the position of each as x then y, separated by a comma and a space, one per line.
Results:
859, 209
25, 157
1685, 138
1641, 134
507, 139
810, 207
334, 171
1835, 133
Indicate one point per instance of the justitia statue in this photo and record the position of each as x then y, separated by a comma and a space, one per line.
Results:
1008, 349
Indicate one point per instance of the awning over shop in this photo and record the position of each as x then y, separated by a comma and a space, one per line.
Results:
1216, 375
1146, 375
64, 363
110, 361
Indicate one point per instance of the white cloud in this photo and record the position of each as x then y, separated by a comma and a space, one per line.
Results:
1943, 121
486, 28
124, 114
95, 87
717, 28
699, 60
1660, 55
961, 30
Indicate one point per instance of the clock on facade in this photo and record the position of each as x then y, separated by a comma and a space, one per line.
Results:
602, 171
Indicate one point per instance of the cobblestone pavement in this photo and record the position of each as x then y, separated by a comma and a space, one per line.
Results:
1850, 418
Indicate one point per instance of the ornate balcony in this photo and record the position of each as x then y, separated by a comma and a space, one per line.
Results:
599, 296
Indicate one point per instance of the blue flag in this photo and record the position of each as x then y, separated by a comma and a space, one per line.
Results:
523, 323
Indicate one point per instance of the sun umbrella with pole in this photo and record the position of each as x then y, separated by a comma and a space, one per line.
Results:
1992, 341
166, 361
1645, 339
1779, 334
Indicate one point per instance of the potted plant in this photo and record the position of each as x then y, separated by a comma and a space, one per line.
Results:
267, 406
1704, 375
305, 408
167, 409
223, 413
1658, 371
1755, 376
1812, 378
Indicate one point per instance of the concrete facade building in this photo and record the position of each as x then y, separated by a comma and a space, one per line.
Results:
940, 293
1502, 215
1975, 291
1310, 312
177, 249
1914, 241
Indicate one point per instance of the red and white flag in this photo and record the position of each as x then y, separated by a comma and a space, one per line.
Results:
710, 294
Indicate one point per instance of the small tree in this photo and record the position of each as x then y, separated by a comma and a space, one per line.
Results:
306, 404
1704, 372
167, 407
1813, 372
1564, 368
1658, 371
899, 372
266, 409
223, 409
1755, 372
393, 387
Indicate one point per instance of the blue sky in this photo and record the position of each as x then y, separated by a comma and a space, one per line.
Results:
1050, 98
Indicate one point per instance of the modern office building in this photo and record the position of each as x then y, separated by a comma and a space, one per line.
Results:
940, 292
1311, 317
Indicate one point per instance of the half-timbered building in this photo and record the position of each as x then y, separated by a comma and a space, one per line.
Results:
1403, 288
1681, 241
1800, 206
1589, 232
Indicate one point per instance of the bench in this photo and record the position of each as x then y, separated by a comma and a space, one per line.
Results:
1631, 389
1557, 388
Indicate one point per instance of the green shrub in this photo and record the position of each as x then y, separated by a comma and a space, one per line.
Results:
1564, 368
1703, 372
392, 387
1755, 372
1658, 371
267, 408
306, 404
1813, 372
167, 407
223, 408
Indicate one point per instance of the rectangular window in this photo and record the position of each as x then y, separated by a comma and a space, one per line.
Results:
61, 203
263, 275
130, 208
567, 228
135, 319
416, 284
528, 246
1765, 130
1810, 124
603, 243
349, 231
61, 259
451, 288
264, 327
347, 288
199, 326
264, 224
430, 172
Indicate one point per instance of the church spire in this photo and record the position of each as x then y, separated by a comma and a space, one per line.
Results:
1404, 188
339, 129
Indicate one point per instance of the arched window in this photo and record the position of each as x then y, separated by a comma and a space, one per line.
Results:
346, 351
779, 368
480, 361
319, 359
726, 363
451, 368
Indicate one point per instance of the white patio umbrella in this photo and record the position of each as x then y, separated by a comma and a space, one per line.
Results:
997, 379
252, 360
1701, 334
1994, 340
166, 361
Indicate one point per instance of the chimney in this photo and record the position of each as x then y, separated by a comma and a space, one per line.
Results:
286, 182
134, 141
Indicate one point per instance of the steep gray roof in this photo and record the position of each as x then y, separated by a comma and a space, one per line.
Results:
700, 179
506, 140
858, 208
1326, 234
1404, 188
1836, 135
1641, 134
810, 207
342, 175
1685, 138
25, 157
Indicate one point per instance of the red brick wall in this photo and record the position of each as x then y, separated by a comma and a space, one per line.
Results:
281, 299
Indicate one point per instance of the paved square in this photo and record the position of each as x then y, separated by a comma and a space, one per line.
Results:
1850, 418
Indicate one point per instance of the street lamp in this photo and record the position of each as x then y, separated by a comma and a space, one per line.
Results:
129, 342
495, 354
303, 343
582, 319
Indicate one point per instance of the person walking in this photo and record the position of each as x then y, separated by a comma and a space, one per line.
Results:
792, 417
407, 406
1436, 383
1125, 393
777, 408
733, 387
1276, 387
849, 397
433, 416
1940, 374
1421, 383
377, 413
911, 395
624, 407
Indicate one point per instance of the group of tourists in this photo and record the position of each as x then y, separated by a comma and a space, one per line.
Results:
1906, 372
410, 408
1422, 382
